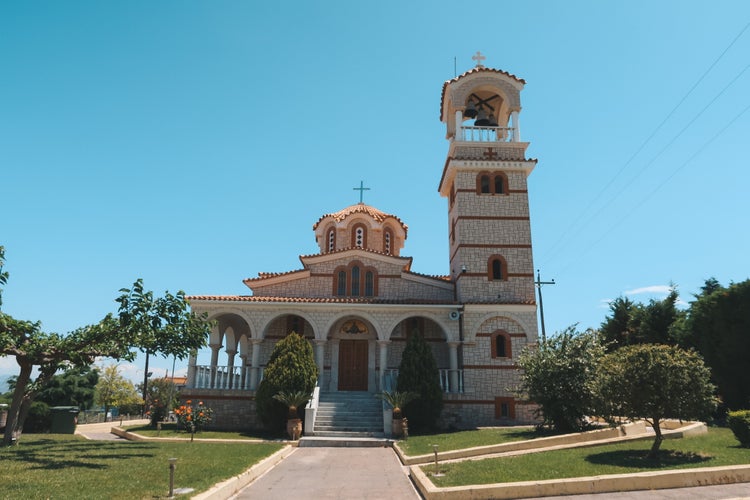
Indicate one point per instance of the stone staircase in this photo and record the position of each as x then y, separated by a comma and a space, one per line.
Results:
349, 414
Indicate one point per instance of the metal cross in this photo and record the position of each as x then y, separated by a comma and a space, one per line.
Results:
361, 190
478, 57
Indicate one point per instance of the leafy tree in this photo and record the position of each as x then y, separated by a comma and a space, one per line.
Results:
50, 352
115, 391
160, 324
630, 323
560, 375
161, 397
718, 327
291, 368
74, 387
418, 374
654, 382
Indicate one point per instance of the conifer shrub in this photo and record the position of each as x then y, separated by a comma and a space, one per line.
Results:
418, 374
291, 368
739, 422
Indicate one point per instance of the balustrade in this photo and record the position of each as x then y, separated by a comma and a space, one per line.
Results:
487, 134
225, 377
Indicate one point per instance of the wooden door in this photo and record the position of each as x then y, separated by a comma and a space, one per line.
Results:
353, 365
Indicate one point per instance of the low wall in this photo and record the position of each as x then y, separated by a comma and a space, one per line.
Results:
234, 410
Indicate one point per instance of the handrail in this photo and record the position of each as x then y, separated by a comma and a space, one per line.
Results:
487, 134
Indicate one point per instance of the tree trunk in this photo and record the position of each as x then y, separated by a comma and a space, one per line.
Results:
11, 425
654, 453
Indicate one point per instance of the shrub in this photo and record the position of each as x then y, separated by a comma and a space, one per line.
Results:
739, 422
418, 374
193, 418
291, 368
39, 418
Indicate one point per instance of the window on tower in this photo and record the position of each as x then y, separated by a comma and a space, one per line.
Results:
359, 236
387, 239
501, 347
331, 240
497, 269
492, 183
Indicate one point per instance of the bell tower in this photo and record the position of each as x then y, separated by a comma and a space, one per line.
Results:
484, 179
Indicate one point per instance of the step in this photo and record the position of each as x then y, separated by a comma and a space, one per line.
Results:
341, 441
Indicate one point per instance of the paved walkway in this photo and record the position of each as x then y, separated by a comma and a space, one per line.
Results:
101, 431
335, 473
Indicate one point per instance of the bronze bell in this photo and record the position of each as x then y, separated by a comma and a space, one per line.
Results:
492, 121
482, 120
471, 110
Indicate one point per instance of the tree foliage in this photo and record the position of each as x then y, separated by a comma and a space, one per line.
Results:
559, 375
115, 391
418, 374
291, 368
172, 330
718, 327
632, 323
73, 387
654, 382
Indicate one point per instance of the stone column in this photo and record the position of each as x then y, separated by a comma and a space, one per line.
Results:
383, 344
320, 355
192, 360
334, 365
230, 369
459, 123
453, 360
516, 127
214, 363
243, 371
255, 363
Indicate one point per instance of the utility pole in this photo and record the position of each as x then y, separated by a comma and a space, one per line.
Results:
539, 284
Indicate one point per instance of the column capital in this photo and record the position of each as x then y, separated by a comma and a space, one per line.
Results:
383, 343
320, 341
215, 346
454, 343
256, 341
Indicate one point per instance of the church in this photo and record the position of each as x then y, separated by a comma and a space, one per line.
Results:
357, 300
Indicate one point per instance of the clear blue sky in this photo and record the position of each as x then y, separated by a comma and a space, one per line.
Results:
194, 144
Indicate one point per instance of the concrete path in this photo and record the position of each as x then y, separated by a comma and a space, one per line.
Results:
335, 473
100, 431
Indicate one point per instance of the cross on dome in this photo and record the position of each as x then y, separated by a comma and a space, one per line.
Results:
361, 190
478, 57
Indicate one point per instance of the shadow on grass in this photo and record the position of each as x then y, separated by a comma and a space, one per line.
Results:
48, 454
639, 459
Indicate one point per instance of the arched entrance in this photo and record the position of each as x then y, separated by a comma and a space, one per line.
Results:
353, 355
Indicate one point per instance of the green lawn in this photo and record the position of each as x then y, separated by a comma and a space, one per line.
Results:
68, 466
422, 445
718, 447
170, 430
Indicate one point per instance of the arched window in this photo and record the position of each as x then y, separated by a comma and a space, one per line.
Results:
359, 236
501, 347
331, 240
492, 183
484, 183
355, 280
497, 269
387, 242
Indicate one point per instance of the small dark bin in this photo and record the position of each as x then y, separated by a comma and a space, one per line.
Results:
64, 419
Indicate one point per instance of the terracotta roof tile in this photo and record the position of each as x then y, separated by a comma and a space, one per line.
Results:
315, 300
368, 250
361, 208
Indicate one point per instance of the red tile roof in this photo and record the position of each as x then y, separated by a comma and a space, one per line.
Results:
315, 300
361, 208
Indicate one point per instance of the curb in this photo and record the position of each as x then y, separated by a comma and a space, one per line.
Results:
682, 478
231, 486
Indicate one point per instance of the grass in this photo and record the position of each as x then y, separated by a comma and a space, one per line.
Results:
169, 430
718, 447
69, 466
422, 445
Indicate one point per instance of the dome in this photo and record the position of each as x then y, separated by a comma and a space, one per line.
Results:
360, 226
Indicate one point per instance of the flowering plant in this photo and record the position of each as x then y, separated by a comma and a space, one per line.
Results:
193, 417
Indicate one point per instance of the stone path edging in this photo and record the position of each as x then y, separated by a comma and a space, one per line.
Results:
584, 485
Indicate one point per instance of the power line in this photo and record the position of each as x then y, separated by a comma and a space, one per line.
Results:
567, 233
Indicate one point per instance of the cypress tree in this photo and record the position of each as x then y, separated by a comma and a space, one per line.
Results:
418, 374
291, 368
